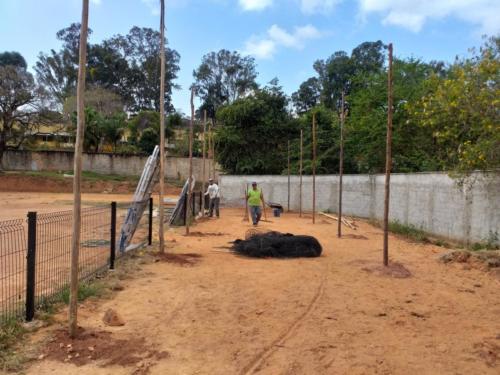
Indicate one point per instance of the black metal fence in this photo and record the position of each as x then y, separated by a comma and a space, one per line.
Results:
35, 254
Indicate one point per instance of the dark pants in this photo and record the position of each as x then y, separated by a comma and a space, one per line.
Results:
214, 203
256, 213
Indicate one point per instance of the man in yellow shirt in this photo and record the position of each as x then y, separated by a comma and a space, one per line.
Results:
255, 199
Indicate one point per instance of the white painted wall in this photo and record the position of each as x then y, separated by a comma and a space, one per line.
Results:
433, 202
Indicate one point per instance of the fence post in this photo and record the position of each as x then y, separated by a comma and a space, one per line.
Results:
150, 232
185, 208
193, 205
112, 255
201, 204
30, 267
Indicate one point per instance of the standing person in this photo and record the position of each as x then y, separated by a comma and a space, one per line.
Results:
255, 200
213, 193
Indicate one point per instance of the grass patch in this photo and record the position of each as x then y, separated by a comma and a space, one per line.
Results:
10, 333
408, 231
85, 290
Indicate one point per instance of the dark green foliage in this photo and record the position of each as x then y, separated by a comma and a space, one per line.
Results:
252, 134
223, 77
13, 58
145, 130
128, 65
327, 142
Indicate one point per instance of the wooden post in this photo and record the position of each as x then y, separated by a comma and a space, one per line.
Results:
190, 177
300, 170
341, 163
204, 159
289, 175
77, 172
314, 167
213, 149
388, 160
210, 156
162, 129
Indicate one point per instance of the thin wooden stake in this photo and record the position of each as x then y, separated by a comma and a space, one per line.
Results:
161, 205
288, 175
213, 148
300, 170
314, 168
204, 159
388, 159
77, 173
341, 163
190, 177
210, 155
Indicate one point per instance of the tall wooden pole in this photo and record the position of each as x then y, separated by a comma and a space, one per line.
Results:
190, 177
213, 148
388, 159
77, 172
210, 155
162, 128
314, 167
300, 170
204, 149
341, 163
288, 175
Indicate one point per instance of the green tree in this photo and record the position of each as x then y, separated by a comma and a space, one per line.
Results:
145, 130
307, 96
327, 142
254, 132
13, 59
127, 65
462, 111
414, 148
22, 108
223, 77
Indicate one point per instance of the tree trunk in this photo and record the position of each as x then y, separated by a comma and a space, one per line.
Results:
77, 172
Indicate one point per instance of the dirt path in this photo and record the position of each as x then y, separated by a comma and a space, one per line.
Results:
329, 315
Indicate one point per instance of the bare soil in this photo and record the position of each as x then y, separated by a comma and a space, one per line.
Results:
228, 314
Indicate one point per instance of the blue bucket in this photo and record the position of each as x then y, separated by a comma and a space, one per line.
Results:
277, 212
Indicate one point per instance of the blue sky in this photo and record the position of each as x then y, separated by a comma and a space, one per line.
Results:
285, 36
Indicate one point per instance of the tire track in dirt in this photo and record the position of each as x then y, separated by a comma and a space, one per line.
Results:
268, 351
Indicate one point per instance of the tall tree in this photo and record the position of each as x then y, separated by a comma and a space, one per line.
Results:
13, 58
141, 48
462, 111
22, 108
223, 77
258, 124
58, 71
307, 96
128, 65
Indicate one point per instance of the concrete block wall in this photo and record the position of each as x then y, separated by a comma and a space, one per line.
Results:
433, 202
126, 165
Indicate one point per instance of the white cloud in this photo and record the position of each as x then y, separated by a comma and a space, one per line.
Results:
250, 5
413, 15
318, 6
97, 2
266, 47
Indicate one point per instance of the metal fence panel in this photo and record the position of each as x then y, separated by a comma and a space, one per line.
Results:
13, 249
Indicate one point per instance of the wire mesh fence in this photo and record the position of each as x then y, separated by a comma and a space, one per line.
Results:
53, 249
35, 254
12, 268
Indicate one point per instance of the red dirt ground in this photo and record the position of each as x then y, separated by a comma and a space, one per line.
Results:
336, 314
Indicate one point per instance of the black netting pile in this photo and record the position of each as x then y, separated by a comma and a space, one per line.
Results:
278, 245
